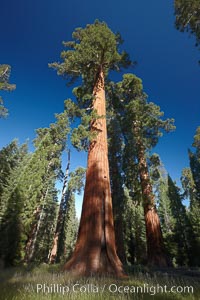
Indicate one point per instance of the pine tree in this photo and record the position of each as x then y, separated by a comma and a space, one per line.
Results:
91, 54
5, 85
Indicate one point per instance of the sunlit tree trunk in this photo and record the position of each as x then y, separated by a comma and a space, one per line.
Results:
155, 247
95, 250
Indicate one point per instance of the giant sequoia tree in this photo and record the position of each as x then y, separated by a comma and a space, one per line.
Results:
91, 54
142, 126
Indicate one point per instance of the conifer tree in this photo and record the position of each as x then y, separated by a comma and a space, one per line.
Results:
167, 219
45, 225
127, 209
115, 150
66, 224
134, 229
181, 226
142, 127
11, 230
44, 166
172, 213
191, 185
91, 54
32, 176
5, 85
10, 156
12, 199
69, 228
61, 216
188, 17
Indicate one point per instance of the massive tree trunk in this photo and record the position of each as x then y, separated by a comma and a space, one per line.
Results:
95, 250
155, 247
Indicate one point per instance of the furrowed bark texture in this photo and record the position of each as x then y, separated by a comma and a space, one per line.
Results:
95, 250
155, 247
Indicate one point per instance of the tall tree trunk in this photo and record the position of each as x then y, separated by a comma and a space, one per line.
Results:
95, 250
60, 219
155, 247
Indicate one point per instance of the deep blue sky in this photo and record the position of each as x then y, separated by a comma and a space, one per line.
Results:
31, 36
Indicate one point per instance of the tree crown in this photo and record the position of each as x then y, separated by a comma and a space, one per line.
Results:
93, 48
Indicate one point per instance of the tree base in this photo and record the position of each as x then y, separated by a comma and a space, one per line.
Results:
83, 267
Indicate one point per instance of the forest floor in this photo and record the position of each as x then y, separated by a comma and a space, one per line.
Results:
47, 282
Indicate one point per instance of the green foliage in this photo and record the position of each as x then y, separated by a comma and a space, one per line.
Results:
141, 125
182, 226
3, 110
68, 226
134, 229
10, 156
76, 182
115, 154
48, 213
93, 48
32, 177
191, 185
167, 220
11, 248
5, 71
188, 17
188, 184
69, 230
174, 220
142, 119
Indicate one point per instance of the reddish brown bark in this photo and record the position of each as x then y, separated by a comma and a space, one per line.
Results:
95, 251
155, 247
